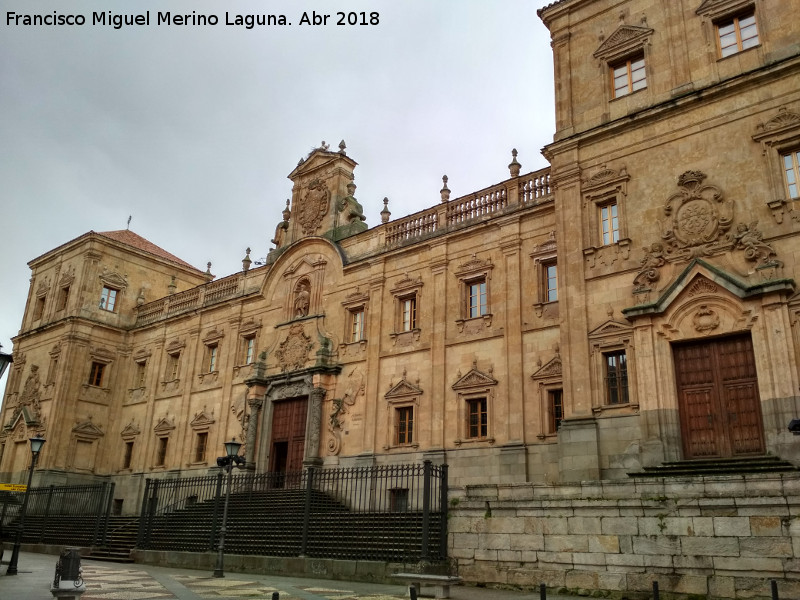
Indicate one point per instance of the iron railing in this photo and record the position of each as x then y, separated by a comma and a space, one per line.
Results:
386, 512
78, 513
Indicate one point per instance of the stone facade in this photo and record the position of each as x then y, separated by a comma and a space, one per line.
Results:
633, 304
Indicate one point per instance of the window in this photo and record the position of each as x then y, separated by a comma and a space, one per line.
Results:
628, 76
126, 461
173, 366
609, 224
51, 372
791, 170
477, 421
249, 347
212, 358
408, 313
200, 447
616, 378
108, 298
737, 34
357, 324
63, 295
161, 451
96, 374
476, 298
550, 281
555, 406
404, 425
38, 308
139, 377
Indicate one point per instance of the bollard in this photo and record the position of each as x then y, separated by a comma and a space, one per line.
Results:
655, 590
68, 583
542, 591
412, 592
275, 596
774, 587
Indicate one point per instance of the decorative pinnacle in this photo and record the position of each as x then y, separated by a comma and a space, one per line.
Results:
385, 213
246, 261
514, 167
286, 212
342, 147
445, 191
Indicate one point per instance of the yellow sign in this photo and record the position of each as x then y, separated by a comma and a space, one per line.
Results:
12, 487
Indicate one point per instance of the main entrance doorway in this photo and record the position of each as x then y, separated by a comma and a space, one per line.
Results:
720, 409
288, 435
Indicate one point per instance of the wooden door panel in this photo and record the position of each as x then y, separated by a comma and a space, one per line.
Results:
700, 433
718, 400
289, 430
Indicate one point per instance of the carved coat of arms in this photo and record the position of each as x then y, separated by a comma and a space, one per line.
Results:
313, 207
293, 351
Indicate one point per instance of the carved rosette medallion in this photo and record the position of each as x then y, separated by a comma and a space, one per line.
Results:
697, 217
705, 319
313, 207
293, 351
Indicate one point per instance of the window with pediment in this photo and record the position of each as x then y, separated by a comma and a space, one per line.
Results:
546, 272
129, 436
735, 24
549, 388
407, 295
402, 406
474, 280
475, 405
212, 344
355, 318
612, 375
201, 425
604, 197
779, 137
163, 431
624, 56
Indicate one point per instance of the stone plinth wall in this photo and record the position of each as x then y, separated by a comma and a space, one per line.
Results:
706, 537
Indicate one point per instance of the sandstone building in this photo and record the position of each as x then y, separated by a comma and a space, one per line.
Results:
633, 304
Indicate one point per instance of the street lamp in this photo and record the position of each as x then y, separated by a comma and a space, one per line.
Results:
36, 447
5, 360
227, 463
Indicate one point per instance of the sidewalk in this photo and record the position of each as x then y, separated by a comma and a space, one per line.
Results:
111, 581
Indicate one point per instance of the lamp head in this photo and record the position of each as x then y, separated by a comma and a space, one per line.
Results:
232, 447
37, 443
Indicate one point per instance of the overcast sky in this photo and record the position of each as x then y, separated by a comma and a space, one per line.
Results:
192, 130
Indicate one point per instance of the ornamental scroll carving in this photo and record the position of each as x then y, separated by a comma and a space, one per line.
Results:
697, 218
354, 387
313, 206
293, 351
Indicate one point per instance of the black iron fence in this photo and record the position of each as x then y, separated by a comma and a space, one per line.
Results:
385, 512
77, 513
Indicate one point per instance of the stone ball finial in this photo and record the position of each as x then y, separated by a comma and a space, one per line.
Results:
286, 212
514, 167
385, 213
445, 191
342, 147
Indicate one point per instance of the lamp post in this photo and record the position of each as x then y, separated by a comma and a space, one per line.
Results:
227, 463
36, 447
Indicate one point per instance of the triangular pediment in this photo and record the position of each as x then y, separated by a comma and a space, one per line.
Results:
624, 40
318, 159
610, 327
114, 280
474, 378
403, 389
164, 426
202, 419
24, 415
691, 281
549, 369
88, 429
717, 8
131, 430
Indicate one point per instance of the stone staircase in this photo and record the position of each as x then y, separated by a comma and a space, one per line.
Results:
719, 466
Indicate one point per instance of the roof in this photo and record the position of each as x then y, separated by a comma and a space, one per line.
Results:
129, 238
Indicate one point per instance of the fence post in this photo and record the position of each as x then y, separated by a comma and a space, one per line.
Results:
212, 543
107, 515
46, 512
99, 510
443, 491
143, 513
426, 507
151, 512
307, 510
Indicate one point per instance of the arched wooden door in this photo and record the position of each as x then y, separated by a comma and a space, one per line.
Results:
720, 409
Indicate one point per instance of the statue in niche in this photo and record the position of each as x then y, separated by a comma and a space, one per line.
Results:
302, 300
